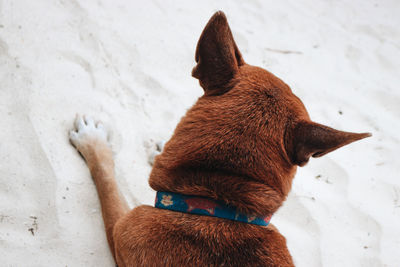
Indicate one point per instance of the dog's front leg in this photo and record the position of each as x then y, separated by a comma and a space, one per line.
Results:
90, 140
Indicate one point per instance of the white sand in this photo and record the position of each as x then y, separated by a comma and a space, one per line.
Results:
128, 63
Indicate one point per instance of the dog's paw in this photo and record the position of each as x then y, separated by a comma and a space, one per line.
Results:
87, 134
159, 146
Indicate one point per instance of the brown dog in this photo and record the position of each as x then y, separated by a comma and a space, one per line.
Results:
239, 144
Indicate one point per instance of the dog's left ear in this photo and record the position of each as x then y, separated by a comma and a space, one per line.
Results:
309, 139
217, 56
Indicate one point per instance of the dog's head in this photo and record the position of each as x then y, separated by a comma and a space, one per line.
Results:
249, 122
261, 106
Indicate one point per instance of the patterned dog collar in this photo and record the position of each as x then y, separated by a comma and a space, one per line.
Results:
205, 206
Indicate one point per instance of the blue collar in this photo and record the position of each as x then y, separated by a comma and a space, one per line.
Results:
205, 206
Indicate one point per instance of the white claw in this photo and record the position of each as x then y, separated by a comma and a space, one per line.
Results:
79, 123
73, 135
100, 126
89, 121
160, 146
158, 150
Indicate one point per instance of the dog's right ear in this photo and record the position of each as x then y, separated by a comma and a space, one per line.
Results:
217, 56
309, 139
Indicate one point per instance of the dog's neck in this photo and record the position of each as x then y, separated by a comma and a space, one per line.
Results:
249, 196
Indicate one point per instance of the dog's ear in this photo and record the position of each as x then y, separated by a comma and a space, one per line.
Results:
217, 56
309, 139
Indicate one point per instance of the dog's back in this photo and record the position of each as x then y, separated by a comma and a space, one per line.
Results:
153, 237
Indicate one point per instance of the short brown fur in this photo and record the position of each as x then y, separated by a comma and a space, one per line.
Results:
241, 144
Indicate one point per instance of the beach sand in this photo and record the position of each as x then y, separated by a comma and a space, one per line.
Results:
128, 63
